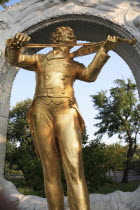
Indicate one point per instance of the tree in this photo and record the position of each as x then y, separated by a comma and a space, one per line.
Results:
10, 166
95, 164
85, 138
20, 152
137, 154
116, 157
119, 113
4, 1
135, 164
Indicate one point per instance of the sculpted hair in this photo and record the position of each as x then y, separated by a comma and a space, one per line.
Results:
59, 34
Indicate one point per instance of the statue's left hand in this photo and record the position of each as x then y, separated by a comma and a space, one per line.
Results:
20, 40
110, 43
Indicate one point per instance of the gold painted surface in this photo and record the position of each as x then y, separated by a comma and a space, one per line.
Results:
54, 119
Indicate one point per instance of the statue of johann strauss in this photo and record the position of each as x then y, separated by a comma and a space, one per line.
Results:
54, 119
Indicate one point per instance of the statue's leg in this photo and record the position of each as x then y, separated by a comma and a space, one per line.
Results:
69, 138
48, 149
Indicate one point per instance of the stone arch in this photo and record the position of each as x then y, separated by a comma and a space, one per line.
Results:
87, 24
92, 28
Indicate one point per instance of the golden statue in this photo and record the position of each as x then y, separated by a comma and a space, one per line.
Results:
54, 119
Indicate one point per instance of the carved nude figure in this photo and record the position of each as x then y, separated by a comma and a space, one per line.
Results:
55, 122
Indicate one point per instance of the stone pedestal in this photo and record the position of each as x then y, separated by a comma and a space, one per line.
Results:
113, 201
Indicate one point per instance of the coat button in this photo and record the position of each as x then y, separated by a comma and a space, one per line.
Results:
67, 65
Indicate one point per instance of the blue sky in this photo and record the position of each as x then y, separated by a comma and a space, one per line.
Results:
12, 2
24, 85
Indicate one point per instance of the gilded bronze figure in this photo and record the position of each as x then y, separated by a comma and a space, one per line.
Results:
55, 122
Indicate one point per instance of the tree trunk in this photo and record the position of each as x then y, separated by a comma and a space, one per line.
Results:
130, 154
126, 172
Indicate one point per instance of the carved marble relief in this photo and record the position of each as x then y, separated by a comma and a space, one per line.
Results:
132, 17
99, 4
3, 25
130, 10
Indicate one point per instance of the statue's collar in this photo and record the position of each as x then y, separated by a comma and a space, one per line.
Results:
56, 55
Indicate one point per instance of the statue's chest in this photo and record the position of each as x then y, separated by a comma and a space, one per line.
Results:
57, 68
56, 72
62, 65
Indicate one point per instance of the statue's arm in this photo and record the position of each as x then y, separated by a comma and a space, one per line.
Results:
90, 73
14, 56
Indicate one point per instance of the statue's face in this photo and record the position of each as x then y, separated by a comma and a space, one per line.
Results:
63, 35
67, 36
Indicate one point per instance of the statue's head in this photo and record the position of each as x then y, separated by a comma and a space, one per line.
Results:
63, 34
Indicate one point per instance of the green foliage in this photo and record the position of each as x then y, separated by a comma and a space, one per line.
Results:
135, 165
4, 1
111, 187
137, 154
23, 188
18, 130
95, 164
10, 163
20, 152
106, 188
99, 159
85, 138
117, 156
119, 113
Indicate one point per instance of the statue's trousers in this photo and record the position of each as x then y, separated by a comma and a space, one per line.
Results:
56, 127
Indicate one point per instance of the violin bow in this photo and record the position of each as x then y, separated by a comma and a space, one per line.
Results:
89, 49
86, 49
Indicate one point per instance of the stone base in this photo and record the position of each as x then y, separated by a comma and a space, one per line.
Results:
113, 201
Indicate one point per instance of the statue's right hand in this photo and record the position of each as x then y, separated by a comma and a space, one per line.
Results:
20, 40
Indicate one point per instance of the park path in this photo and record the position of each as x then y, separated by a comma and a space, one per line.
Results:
130, 178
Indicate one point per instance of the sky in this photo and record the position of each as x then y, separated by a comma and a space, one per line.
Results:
115, 68
12, 2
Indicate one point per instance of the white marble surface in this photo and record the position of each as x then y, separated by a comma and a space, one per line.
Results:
27, 13
113, 201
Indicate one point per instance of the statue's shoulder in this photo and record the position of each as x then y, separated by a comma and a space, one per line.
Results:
77, 64
42, 56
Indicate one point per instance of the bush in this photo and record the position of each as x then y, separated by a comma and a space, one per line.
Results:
95, 159
135, 165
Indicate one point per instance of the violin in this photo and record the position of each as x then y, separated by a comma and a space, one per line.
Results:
86, 49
